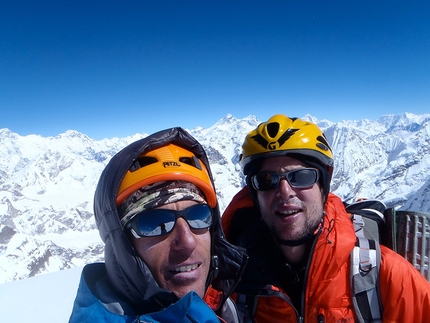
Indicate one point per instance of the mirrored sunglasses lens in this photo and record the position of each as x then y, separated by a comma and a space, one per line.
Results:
160, 221
302, 178
155, 222
265, 181
199, 216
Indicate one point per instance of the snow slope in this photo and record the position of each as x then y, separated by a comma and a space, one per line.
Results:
41, 299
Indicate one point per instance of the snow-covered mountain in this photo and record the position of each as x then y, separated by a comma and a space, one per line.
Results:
47, 184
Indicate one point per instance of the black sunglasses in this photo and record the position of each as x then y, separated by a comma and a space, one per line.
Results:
157, 222
300, 178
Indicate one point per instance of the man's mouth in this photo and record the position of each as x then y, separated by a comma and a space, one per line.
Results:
289, 212
185, 268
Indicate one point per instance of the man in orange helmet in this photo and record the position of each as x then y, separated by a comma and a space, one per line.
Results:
299, 237
166, 259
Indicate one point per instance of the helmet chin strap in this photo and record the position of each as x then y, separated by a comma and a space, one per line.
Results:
215, 265
213, 271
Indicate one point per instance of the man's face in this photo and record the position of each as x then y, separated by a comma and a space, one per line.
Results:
290, 213
179, 260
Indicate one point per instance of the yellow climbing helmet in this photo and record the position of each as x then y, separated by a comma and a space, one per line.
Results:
167, 163
281, 136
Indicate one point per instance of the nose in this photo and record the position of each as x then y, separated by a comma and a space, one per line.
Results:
285, 190
183, 238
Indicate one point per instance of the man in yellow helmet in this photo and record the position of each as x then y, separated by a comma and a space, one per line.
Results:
299, 237
166, 258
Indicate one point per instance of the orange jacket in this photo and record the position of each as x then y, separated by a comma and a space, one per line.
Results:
405, 293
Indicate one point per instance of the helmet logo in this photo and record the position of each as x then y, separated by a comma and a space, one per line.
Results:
167, 164
274, 145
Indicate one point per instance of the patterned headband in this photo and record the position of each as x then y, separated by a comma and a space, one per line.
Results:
158, 194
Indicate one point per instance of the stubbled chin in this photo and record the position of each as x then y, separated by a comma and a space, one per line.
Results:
184, 282
289, 228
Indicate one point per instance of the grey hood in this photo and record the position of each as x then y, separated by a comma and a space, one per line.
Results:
128, 274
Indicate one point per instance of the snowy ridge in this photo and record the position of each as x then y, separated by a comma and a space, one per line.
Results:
47, 184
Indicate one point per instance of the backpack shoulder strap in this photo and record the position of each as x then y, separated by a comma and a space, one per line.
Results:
246, 305
229, 312
366, 260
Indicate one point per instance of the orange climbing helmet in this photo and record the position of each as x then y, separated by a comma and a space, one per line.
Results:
167, 163
281, 136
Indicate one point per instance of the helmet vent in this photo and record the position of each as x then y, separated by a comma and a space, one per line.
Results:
192, 161
322, 146
323, 143
142, 162
273, 129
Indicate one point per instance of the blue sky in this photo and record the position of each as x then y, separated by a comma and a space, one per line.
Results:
116, 68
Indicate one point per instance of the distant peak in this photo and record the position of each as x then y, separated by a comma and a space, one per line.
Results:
310, 118
229, 118
6, 133
72, 134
